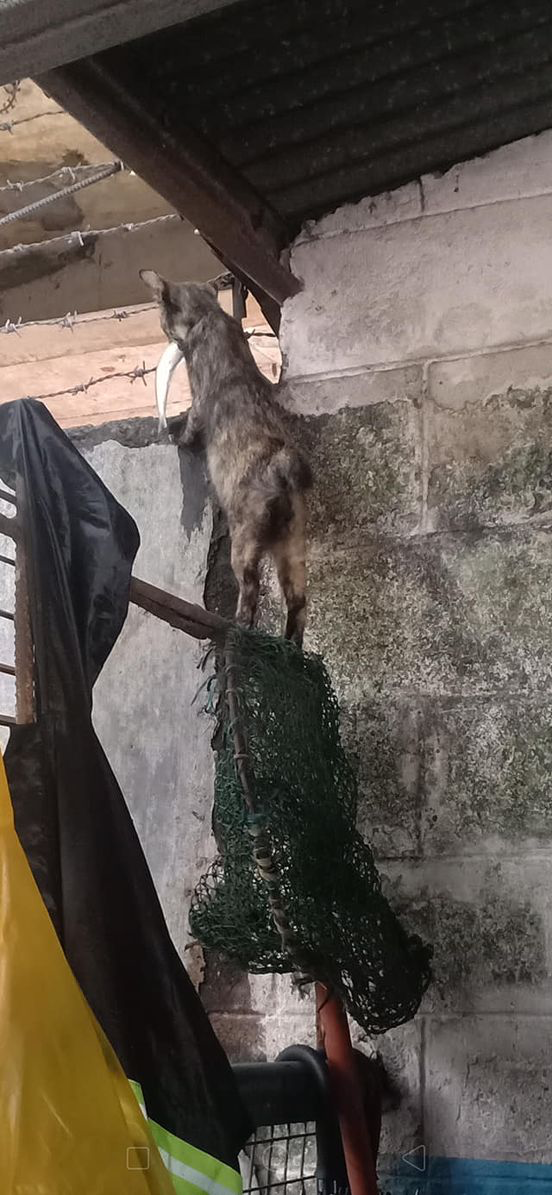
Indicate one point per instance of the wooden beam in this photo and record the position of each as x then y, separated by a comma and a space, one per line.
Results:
181, 166
184, 616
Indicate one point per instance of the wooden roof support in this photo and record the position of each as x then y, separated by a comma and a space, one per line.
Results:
182, 167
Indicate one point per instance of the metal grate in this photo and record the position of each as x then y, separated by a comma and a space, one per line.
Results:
280, 1158
296, 1145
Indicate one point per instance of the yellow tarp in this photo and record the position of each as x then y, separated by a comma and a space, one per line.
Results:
69, 1121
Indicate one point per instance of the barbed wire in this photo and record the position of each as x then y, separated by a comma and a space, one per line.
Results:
75, 318
72, 172
99, 176
70, 320
139, 371
7, 126
11, 90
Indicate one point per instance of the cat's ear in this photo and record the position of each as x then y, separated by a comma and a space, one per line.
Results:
155, 282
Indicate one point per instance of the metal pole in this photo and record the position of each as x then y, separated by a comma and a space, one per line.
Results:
24, 652
334, 1031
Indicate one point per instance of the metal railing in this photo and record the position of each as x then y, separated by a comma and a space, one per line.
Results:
22, 669
296, 1144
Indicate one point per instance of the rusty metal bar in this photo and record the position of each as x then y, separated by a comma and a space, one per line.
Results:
7, 614
184, 616
7, 720
183, 167
344, 1079
7, 669
24, 650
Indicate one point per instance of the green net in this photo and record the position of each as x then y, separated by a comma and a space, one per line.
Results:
345, 933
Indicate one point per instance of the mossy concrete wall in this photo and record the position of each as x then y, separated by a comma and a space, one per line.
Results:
421, 351
420, 354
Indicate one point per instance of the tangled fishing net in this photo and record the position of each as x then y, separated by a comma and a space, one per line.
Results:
343, 931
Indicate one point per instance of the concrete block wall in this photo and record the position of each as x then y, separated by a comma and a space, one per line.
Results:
421, 352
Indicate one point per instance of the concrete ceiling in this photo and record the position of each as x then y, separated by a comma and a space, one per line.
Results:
36, 35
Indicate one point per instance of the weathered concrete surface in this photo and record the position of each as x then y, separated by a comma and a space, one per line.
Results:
489, 439
375, 453
487, 919
437, 630
489, 1083
423, 288
402, 1126
440, 614
372, 212
512, 172
158, 742
383, 740
516, 171
356, 390
487, 776
449, 776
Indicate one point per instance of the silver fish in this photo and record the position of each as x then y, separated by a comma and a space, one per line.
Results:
168, 362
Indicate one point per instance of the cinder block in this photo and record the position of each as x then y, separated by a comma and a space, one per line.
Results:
487, 776
489, 922
456, 614
488, 1088
425, 288
391, 206
514, 171
383, 741
367, 470
325, 396
489, 439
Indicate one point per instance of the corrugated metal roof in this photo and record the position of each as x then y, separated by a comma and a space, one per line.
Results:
319, 102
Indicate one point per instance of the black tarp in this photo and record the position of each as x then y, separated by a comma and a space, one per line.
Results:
70, 814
